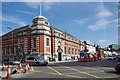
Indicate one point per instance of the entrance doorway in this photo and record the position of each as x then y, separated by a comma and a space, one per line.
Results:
59, 57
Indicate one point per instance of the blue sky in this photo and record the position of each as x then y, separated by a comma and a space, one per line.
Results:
94, 22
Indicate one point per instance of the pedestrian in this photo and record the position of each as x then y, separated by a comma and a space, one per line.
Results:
49, 59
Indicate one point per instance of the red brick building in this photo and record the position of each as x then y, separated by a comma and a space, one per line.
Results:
41, 38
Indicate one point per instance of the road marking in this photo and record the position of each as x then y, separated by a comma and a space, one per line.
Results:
36, 71
69, 73
112, 77
94, 69
54, 70
82, 72
106, 68
73, 76
66, 75
52, 73
58, 67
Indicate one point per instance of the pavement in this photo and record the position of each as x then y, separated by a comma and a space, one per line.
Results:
54, 62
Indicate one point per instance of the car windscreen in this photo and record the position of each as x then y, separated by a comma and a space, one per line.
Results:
30, 58
40, 58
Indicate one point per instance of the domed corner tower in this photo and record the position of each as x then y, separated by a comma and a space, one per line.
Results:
40, 20
41, 36
40, 33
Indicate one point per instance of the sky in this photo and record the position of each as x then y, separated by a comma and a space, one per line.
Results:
94, 22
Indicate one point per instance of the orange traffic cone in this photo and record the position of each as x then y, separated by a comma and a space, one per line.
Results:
20, 66
9, 72
3, 67
26, 68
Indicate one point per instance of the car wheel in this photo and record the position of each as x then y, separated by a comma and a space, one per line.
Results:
45, 64
37, 63
117, 71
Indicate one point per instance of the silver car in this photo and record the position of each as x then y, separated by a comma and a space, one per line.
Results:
36, 60
110, 57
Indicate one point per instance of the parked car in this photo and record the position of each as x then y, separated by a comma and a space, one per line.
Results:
6, 61
114, 56
110, 57
118, 58
14, 61
117, 67
22, 60
36, 60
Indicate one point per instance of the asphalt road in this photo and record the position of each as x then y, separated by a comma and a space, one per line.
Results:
100, 69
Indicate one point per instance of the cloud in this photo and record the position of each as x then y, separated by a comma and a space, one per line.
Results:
98, 25
25, 12
102, 24
103, 12
14, 20
103, 41
81, 21
101, 17
47, 5
89, 42
33, 4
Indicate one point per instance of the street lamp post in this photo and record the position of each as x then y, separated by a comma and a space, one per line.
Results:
51, 43
59, 50
79, 47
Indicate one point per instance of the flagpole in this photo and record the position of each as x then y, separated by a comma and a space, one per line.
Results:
40, 7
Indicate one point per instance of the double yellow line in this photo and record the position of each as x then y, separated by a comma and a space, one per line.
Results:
82, 72
55, 70
58, 73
